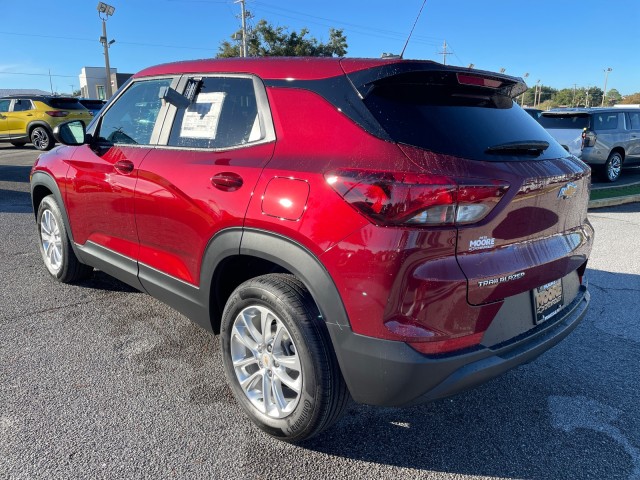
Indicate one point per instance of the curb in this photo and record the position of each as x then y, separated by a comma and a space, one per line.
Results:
613, 201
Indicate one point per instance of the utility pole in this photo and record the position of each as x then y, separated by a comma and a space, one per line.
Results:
243, 52
522, 97
606, 76
444, 53
536, 94
573, 102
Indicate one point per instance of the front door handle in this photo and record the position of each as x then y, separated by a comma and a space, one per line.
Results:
124, 166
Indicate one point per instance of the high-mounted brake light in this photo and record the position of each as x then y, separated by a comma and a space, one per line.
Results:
57, 113
393, 199
464, 79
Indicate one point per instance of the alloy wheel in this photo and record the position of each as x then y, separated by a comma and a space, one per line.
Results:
51, 241
266, 362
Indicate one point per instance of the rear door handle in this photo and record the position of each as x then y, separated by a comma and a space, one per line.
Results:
124, 166
227, 181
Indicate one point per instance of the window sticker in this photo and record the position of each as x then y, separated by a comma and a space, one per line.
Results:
201, 118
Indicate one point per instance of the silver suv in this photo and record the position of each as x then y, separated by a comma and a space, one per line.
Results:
605, 138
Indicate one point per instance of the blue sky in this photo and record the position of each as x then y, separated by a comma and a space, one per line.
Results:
560, 42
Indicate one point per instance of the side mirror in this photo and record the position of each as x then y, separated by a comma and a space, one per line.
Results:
71, 133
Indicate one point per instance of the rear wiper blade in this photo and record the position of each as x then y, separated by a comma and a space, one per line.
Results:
526, 147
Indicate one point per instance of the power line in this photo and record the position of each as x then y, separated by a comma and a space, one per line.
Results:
354, 28
76, 39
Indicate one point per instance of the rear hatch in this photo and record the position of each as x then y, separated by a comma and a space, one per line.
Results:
566, 128
464, 125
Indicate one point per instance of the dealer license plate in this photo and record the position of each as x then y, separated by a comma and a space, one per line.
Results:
547, 300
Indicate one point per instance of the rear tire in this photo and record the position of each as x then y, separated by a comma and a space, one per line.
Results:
279, 360
55, 245
42, 138
612, 169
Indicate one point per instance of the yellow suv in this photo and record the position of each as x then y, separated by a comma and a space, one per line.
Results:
31, 118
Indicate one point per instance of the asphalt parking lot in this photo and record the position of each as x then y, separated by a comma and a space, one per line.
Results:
100, 381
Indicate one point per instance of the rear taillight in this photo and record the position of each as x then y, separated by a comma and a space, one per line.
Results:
393, 199
588, 138
57, 113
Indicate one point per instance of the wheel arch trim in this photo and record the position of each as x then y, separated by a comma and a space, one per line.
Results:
304, 265
43, 179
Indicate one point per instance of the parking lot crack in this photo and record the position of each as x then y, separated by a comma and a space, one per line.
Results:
46, 310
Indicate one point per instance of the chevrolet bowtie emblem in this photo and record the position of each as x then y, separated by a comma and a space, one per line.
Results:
568, 191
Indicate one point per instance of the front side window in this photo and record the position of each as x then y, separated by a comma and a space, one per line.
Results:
132, 117
223, 114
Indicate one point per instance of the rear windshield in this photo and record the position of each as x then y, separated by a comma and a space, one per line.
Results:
572, 122
65, 103
454, 119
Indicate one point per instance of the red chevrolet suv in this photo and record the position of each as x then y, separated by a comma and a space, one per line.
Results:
391, 231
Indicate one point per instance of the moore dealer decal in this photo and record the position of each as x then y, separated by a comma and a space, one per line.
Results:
497, 280
482, 243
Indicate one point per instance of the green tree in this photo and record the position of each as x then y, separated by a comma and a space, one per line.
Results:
613, 97
265, 40
564, 98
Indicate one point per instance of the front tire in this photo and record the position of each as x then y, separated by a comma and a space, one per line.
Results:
55, 245
613, 167
279, 360
42, 138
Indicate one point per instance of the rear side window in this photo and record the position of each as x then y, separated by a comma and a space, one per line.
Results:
4, 105
132, 117
223, 114
454, 119
553, 122
635, 120
605, 121
65, 103
22, 105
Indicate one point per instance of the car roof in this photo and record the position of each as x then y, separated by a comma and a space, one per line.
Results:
300, 68
36, 97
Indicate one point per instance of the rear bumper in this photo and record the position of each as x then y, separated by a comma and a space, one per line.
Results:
390, 373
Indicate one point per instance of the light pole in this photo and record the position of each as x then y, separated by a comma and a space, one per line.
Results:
536, 95
606, 76
107, 11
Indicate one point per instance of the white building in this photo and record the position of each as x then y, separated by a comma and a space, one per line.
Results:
93, 81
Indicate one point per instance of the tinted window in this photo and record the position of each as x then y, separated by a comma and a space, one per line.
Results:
94, 104
132, 117
223, 114
22, 105
64, 103
635, 120
576, 121
4, 105
454, 120
604, 121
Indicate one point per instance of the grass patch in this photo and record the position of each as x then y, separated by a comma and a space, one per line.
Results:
615, 192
